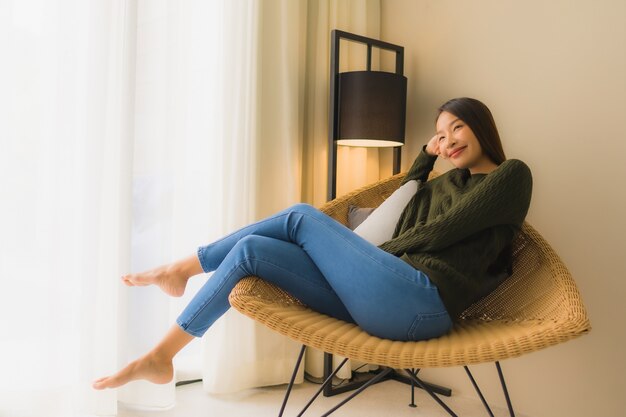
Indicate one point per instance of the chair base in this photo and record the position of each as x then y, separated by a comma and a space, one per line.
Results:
361, 379
383, 375
437, 389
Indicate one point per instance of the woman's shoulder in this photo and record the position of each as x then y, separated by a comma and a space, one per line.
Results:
514, 168
515, 164
519, 168
513, 176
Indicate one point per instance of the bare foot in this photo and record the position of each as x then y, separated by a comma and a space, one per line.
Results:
172, 279
148, 367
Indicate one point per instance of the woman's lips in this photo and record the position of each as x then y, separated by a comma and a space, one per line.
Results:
456, 152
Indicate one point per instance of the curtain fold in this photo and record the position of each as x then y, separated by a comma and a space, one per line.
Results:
356, 166
263, 102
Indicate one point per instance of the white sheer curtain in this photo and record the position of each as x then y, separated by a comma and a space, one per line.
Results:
129, 135
65, 190
178, 170
217, 141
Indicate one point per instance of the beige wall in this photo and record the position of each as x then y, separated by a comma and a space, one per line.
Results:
553, 73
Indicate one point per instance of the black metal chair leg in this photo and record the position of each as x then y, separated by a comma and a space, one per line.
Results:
506, 392
372, 381
328, 380
480, 394
401, 377
293, 378
351, 385
426, 388
412, 392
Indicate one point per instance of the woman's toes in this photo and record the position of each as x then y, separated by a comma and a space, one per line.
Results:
126, 280
102, 383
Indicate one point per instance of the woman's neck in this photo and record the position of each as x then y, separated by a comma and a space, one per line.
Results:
483, 167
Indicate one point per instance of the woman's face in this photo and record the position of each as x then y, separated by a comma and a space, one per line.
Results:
458, 143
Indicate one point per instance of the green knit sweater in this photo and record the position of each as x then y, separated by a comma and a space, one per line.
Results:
458, 228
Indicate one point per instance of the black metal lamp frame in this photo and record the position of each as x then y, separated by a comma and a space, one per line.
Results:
333, 128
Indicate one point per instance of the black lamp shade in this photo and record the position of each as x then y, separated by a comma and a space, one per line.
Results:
372, 108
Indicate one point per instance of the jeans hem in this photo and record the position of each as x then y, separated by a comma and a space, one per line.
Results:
200, 259
186, 329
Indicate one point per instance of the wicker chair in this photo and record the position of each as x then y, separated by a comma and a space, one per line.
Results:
537, 307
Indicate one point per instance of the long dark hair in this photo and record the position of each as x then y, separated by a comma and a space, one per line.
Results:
479, 118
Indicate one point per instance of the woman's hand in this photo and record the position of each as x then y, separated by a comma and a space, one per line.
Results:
432, 148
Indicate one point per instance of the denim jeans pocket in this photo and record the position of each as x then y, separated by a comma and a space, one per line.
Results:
430, 325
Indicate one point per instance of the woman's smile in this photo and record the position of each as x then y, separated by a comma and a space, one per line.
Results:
456, 152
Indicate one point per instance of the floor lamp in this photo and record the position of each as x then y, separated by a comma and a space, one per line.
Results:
367, 108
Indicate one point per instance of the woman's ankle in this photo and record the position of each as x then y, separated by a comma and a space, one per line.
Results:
186, 267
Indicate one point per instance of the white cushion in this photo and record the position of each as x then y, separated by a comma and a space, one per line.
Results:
380, 225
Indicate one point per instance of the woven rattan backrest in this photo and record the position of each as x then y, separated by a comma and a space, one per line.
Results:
541, 287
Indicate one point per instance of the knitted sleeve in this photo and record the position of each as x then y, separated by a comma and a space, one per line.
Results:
421, 167
502, 198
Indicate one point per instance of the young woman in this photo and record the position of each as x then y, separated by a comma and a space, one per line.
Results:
451, 247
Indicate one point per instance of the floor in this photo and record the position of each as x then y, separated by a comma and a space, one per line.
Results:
389, 398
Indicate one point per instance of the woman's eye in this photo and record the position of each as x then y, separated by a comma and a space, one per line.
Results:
457, 127
441, 138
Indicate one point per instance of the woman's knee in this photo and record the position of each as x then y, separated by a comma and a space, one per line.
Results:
255, 247
302, 208
248, 245
306, 209
246, 252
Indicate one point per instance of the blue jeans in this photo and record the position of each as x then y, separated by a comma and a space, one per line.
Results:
328, 268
